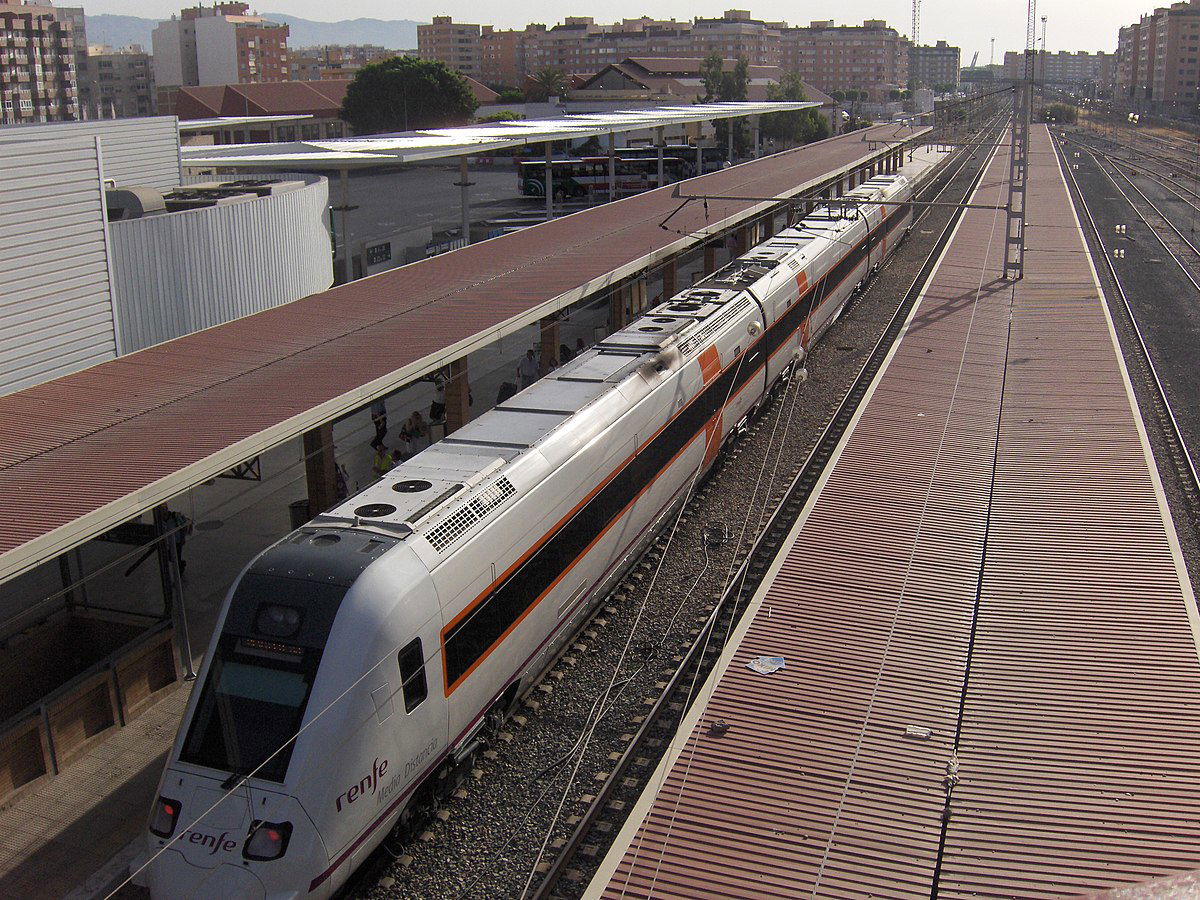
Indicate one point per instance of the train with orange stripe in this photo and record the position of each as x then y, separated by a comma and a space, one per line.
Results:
358, 663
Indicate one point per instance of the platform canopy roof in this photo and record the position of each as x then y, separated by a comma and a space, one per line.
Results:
238, 121
436, 143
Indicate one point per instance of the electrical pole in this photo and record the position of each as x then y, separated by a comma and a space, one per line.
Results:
1018, 161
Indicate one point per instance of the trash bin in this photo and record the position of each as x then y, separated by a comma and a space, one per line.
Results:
299, 512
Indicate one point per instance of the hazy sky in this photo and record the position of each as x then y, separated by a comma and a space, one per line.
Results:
1071, 25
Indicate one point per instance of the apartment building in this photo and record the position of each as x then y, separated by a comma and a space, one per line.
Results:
1135, 60
502, 54
37, 65
934, 65
871, 57
737, 34
1069, 71
74, 17
454, 43
334, 61
120, 83
220, 44
1158, 60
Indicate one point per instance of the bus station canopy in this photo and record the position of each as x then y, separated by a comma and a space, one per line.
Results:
437, 143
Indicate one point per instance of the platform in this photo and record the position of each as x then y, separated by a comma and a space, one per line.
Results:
991, 683
127, 430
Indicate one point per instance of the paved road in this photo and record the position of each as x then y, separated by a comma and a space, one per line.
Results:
396, 201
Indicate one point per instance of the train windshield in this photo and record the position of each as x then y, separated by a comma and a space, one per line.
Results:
252, 704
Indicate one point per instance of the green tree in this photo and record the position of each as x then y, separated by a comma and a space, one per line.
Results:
802, 126
727, 86
546, 84
1061, 113
404, 94
503, 115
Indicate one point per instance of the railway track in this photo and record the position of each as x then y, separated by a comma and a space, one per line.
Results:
452, 855
568, 873
1184, 253
1155, 216
1155, 401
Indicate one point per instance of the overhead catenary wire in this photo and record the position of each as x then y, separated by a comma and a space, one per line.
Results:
638, 846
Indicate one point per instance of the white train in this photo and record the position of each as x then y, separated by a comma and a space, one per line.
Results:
388, 631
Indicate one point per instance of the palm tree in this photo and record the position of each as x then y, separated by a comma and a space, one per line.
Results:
546, 84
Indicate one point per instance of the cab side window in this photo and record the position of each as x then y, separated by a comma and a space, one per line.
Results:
412, 675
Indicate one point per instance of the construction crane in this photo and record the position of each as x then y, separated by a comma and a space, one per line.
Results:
974, 59
916, 22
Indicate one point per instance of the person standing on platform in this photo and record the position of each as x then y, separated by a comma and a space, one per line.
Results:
379, 419
528, 370
416, 429
382, 463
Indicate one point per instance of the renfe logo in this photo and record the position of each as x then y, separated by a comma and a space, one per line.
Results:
224, 842
366, 786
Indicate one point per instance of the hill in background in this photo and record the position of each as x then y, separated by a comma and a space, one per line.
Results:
395, 34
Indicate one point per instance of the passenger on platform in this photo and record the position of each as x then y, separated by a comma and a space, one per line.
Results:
416, 429
564, 354
528, 370
508, 389
342, 483
382, 463
437, 409
579, 346
379, 419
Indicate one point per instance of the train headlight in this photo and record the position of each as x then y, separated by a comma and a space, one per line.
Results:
267, 840
166, 814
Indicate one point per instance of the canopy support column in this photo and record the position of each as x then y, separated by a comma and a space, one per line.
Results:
458, 396
347, 268
612, 166
320, 470
549, 180
658, 140
169, 543
670, 277
548, 344
465, 185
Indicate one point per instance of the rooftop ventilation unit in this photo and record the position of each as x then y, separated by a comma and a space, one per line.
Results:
202, 198
260, 187
134, 202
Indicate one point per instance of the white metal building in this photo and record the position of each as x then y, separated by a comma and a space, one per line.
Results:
56, 309
181, 272
76, 290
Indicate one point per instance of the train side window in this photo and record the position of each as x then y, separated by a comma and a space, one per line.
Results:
412, 675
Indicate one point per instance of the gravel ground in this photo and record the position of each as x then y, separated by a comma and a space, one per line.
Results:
484, 841
1166, 306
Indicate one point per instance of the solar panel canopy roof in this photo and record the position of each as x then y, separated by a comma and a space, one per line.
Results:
436, 143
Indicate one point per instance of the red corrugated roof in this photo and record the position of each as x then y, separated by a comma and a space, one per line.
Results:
1077, 759
79, 446
322, 99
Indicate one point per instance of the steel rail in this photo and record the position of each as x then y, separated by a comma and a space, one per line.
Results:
1164, 179
1141, 215
758, 558
1166, 413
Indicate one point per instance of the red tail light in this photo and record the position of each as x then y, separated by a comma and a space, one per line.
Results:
267, 840
166, 814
